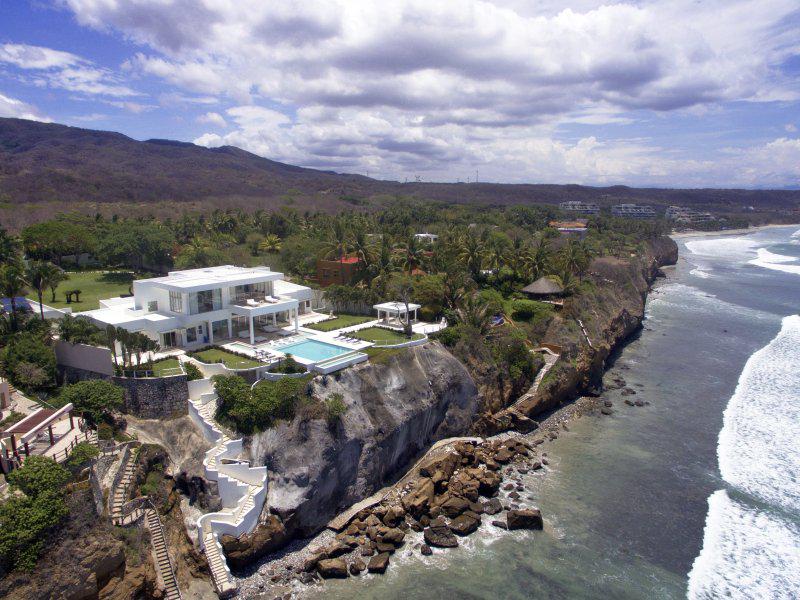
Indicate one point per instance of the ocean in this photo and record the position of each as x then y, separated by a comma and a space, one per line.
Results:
696, 494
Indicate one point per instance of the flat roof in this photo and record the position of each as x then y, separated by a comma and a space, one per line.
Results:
199, 279
395, 306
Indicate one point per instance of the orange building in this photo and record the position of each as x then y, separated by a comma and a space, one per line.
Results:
337, 272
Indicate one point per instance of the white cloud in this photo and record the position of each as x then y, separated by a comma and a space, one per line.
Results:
790, 127
57, 69
213, 118
438, 88
11, 107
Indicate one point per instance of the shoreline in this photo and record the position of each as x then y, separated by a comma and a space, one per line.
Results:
725, 232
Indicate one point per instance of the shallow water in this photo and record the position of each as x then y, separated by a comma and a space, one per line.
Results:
636, 502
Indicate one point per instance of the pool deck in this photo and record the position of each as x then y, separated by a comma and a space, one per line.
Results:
274, 348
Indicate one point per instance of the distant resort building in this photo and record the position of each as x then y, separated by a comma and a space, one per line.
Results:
426, 237
633, 211
578, 227
682, 214
337, 272
198, 306
576, 206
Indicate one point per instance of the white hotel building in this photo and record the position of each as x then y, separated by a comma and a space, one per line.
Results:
197, 307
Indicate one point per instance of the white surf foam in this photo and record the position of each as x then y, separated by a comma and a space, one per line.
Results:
775, 262
726, 247
758, 447
699, 272
746, 554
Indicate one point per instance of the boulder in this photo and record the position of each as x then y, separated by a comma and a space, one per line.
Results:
425, 550
394, 515
394, 536
453, 506
378, 563
332, 568
248, 548
492, 507
418, 500
357, 566
465, 524
440, 536
524, 518
500, 524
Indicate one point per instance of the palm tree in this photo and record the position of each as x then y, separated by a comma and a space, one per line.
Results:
364, 250
12, 285
575, 258
338, 244
111, 336
471, 254
270, 244
475, 313
412, 255
538, 259
39, 274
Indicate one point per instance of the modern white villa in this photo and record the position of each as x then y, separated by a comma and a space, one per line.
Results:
198, 307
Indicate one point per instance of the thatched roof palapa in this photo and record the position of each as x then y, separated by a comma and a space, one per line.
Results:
544, 286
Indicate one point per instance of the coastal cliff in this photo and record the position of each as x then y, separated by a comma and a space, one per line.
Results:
395, 409
610, 315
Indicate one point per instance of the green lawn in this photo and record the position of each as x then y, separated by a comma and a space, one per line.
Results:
230, 360
383, 337
340, 321
94, 286
166, 367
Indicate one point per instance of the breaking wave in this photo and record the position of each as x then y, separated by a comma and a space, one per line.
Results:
749, 551
775, 262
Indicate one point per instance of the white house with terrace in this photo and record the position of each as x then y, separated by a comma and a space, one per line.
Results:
197, 307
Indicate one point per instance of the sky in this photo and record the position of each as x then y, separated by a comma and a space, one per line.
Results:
667, 93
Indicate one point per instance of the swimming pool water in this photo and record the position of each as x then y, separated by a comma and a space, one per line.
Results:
313, 350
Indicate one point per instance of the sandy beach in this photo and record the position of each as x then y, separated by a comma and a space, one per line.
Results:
692, 234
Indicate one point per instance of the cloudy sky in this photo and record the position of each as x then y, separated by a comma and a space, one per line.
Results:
656, 92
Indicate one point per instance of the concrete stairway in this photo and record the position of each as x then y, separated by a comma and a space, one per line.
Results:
163, 564
242, 488
119, 494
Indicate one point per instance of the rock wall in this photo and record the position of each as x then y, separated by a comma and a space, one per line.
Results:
394, 411
156, 397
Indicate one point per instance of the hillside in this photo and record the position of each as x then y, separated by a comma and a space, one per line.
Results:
52, 167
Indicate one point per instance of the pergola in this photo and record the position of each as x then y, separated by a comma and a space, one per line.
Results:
26, 432
395, 310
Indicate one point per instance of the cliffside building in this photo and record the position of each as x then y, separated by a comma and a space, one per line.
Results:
583, 208
200, 306
633, 211
337, 272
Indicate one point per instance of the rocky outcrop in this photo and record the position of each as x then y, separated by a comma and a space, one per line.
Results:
394, 411
246, 549
610, 315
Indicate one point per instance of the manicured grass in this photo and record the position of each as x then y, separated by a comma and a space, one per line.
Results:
94, 286
381, 356
383, 337
229, 359
340, 321
166, 367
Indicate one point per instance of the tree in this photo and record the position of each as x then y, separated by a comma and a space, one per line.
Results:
412, 255
79, 330
52, 240
402, 288
12, 285
24, 523
96, 399
29, 348
9, 246
538, 260
270, 244
199, 253
471, 254
38, 275
39, 475
475, 313
337, 244
574, 258
53, 280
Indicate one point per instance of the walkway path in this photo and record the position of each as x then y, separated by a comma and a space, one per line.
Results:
125, 513
550, 358
242, 488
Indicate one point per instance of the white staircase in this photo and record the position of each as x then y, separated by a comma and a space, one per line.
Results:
243, 489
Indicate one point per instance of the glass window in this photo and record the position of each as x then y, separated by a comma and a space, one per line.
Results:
205, 301
191, 335
176, 302
152, 306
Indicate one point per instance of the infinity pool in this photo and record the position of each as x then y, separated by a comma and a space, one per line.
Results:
313, 350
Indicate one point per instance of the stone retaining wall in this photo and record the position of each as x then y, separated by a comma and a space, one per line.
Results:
155, 397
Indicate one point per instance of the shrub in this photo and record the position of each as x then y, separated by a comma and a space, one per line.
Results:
524, 309
289, 365
335, 407
449, 336
192, 372
96, 399
81, 454
492, 299
39, 475
105, 431
25, 522
254, 410
26, 349
151, 483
